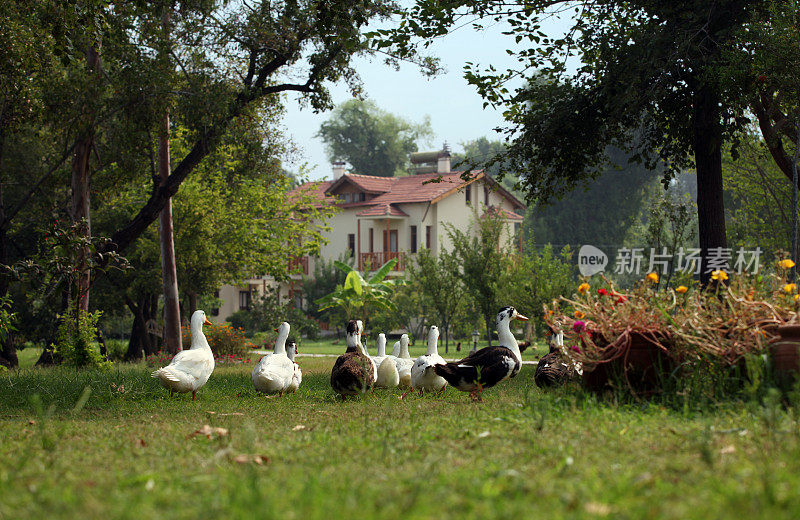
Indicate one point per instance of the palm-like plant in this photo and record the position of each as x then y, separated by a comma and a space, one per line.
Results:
359, 296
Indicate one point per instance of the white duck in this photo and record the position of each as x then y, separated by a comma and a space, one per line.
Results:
297, 376
189, 369
423, 375
273, 374
364, 350
381, 350
404, 362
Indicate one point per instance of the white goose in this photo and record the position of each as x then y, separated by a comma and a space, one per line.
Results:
273, 374
423, 375
189, 369
297, 376
381, 350
404, 362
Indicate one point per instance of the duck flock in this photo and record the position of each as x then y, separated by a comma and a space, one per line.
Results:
356, 372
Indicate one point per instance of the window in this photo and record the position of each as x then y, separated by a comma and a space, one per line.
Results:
428, 237
351, 243
390, 241
468, 194
244, 300
371, 240
413, 239
486, 195
362, 197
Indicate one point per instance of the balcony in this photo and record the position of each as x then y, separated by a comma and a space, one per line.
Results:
372, 261
298, 265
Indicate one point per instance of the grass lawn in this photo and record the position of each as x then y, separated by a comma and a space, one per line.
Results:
124, 449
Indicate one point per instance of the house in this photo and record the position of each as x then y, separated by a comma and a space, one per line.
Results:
381, 218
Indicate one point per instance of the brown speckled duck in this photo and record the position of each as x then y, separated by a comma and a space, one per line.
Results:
555, 368
353, 373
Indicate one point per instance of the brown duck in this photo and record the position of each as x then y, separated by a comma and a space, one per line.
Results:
353, 371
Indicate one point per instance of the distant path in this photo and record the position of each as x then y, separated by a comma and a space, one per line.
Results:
264, 352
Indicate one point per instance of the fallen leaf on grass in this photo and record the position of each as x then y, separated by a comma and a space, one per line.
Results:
209, 432
299, 427
596, 508
255, 459
140, 443
483, 434
728, 449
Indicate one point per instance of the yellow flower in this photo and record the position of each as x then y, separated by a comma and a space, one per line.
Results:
579, 315
582, 288
719, 275
681, 289
786, 264
790, 287
797, 297
653, 277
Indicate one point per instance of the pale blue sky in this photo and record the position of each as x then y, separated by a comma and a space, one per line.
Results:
455, 109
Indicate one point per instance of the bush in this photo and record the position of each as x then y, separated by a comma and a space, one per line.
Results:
225, 340
75, 339
267, 312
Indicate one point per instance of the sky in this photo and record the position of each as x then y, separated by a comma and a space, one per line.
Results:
455, 108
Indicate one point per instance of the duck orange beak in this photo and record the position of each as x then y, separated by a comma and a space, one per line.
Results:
207, 322
521, 317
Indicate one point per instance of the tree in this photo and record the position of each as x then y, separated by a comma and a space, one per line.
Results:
437, 279
487, 154
482, 262
359, 297
536, 278
373, 141
655, 71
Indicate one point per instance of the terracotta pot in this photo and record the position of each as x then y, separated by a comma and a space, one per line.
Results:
786, 355
641, 368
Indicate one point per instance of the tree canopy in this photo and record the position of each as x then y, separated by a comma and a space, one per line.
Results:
373, 141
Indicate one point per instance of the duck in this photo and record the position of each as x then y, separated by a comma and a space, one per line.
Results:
404, 362
273, 373
396, 349
297, 376
553, 368
490, 365
378, 359
423, 373
365, 351
190, 369
352, 373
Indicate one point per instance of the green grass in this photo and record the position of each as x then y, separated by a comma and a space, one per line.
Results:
125, 452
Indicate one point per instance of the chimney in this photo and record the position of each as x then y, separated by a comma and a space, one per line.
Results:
443, 162
338, 169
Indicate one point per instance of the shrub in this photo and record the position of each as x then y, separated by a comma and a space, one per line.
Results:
75, 339
224, 340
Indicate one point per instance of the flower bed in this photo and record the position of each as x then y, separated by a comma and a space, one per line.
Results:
646, 335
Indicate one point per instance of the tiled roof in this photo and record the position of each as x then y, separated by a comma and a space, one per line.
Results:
380, 210
368, 183
429, 187
315, 189
504, 213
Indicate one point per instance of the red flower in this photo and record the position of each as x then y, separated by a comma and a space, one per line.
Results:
602, 292
621, 299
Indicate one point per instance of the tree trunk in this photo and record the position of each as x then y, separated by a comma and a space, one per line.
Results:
8, 355
192, 303
707, 144
169, 276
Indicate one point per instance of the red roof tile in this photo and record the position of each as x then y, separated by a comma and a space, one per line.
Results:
380, 210
504, 213
368, 183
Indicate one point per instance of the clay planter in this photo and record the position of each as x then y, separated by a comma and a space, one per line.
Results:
785, 354
640, 366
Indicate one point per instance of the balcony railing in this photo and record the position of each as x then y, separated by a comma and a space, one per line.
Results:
373, 261
298, 265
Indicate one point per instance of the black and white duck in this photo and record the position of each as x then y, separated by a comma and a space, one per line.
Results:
354, 372
490, 365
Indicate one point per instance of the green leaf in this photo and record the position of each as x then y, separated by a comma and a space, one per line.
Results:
353, 282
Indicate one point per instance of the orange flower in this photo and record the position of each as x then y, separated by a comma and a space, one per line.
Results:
719, 275
653, 277
579, 315
681, 289
786, 264
789, 288
582, 288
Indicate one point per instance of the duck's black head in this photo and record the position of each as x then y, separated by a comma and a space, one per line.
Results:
506, 313
352, 327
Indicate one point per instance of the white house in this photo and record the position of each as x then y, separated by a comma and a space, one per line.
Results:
381, 218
